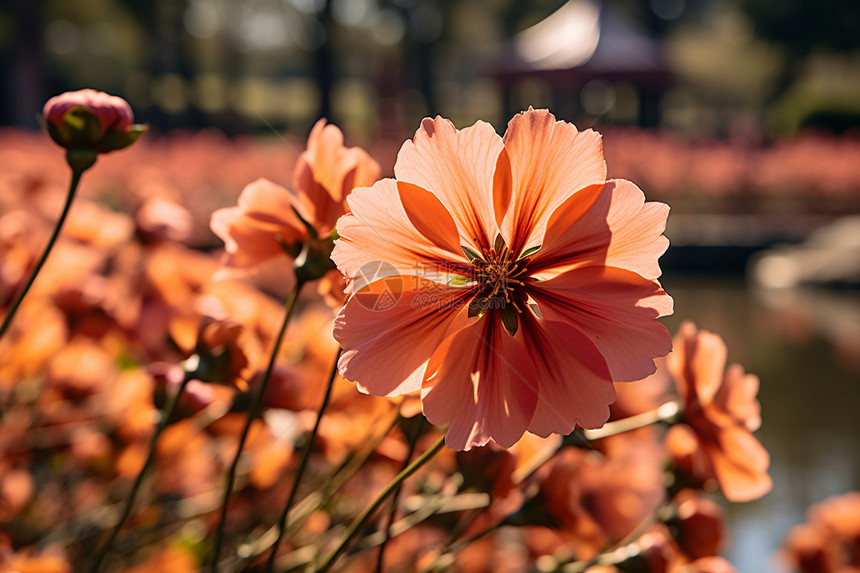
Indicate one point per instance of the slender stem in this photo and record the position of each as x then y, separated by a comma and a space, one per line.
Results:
332, 483
73, 187
665, 412
166, 414
256, 399
360, 521
454, 548
622, 550
413, 440
306, 453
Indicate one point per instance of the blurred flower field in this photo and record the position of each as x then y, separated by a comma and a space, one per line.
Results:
134, 300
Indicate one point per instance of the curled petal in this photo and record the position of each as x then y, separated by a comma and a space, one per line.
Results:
740, 465
429, 216
327, 172
260, 227
608, 225
378, 239
457, 166
550, 160
688, 451
737, 396
697, 364
503, 186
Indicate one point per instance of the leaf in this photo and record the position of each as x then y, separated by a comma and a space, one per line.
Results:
470, 254
499, 245
478, 306
510, 318
460, 280
529, 252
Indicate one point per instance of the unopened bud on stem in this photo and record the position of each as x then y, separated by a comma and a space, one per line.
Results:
87, 122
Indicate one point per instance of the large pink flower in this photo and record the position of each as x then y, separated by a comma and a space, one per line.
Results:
504, 278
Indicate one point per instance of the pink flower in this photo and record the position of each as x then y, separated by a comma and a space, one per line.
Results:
92, 120
504, 279
829, 541
714, 440
270, 223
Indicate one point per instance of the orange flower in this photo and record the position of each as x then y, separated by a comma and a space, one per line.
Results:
325, 175
720, 412
830, 539
700, 524
505, 279
266, 226
592, 501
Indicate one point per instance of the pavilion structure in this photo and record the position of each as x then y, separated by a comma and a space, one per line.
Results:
588, 43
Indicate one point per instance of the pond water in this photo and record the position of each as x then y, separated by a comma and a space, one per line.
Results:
805, 347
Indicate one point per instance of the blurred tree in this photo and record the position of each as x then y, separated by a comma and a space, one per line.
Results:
21, 54
324, 69
800, 28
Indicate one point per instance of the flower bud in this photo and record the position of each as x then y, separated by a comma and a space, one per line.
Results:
87, 122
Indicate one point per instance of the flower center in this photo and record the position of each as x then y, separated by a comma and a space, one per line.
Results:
499, 276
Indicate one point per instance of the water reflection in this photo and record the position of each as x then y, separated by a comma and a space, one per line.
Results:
805, 347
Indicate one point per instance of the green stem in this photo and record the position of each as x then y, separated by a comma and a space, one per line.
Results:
413, 440
664, 413
256, 399
624, 549
332, 484
360, 521
306, 454
451, 551
73, 187
166, 414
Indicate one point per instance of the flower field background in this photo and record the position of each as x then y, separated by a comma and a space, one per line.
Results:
120, 307
426, 286
808, 173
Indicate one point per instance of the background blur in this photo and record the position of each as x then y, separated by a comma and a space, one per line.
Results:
743, 115
750, 68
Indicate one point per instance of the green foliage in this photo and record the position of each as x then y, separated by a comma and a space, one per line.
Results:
800, 26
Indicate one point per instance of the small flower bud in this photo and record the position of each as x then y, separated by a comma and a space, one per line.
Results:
87, 122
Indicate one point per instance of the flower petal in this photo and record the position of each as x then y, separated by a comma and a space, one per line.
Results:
457, 167
248, 242
688, 450
740, 464
699, 360
257, 229
571, 392
737, 397
606, 225
378, 239
550, 160
267, 201
400, 317
429, 216
503, 186
325, 174
616, 309
330, 163
481, 381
